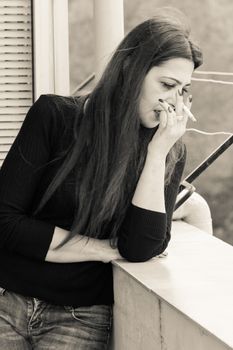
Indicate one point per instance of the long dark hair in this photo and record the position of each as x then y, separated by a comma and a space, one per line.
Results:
110, 144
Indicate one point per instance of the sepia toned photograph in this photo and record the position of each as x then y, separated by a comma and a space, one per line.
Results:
116, 191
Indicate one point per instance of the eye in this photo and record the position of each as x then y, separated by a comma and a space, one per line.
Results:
168, 86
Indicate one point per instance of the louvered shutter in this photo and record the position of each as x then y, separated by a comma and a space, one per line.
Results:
15, 69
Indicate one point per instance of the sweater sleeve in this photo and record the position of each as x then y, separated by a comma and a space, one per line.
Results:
19, 177
146, 233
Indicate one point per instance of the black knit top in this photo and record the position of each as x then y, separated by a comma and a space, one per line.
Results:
25, 238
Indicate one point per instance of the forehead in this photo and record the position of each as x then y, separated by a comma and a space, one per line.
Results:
178, 68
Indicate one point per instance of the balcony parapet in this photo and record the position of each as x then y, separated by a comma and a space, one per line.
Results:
181, 302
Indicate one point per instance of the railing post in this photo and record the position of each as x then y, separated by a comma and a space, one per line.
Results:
108, 30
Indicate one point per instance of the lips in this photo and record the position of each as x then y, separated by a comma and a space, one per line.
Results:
157, 113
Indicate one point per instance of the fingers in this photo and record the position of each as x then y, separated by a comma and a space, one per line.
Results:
168, 111
188, 102
163, 119
170, 116
187, 107
182, 118
179, 102
181, 114
183, 108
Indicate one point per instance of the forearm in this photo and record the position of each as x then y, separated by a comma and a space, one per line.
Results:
144, 230
149, 193
79, 249
146, 233
143, 234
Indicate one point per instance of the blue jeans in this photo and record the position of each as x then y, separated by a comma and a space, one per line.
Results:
30, 323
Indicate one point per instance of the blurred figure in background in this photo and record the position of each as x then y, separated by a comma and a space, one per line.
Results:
195, 211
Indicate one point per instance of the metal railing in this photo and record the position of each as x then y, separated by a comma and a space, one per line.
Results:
83, 84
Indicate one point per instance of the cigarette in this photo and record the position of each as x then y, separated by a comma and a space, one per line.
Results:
190, 115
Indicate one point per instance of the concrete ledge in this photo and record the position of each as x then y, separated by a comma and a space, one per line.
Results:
181, 302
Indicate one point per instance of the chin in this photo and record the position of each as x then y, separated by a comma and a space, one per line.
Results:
149, 121
150, 124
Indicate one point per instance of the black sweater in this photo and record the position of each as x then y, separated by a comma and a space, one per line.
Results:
25, 239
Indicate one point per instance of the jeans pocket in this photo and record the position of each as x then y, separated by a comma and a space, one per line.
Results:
95, 316
2, 291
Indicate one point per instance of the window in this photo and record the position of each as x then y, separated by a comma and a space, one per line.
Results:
15, 69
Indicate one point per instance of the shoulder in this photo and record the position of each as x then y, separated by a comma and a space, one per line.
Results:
58, 109
50, 115
54, 99
58, 103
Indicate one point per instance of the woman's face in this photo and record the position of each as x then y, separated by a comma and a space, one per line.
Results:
162, 82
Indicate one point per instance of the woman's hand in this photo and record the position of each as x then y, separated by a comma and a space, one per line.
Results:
109, 254
172, 126
80, 248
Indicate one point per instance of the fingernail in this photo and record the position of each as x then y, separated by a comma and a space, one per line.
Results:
180, 93
160, 100
190, 98
170, 109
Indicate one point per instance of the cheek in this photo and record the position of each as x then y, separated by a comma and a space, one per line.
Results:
144, 91
152, 90
156, 91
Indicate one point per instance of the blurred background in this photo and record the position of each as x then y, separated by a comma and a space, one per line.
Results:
212, 28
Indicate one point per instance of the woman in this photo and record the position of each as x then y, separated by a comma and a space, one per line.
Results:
88, 180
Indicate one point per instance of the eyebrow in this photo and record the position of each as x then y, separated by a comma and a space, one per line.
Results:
177, 81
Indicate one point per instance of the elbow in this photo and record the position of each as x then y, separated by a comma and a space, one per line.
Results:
10, 223
132, 257
139, 253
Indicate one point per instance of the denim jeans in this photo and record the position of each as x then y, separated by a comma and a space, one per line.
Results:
30, 323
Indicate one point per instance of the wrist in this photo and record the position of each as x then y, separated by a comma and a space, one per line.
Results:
105, 250
157, 160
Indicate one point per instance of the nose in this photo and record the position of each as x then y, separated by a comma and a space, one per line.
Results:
171, 100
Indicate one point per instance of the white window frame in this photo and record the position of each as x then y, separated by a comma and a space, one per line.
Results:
50, 47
